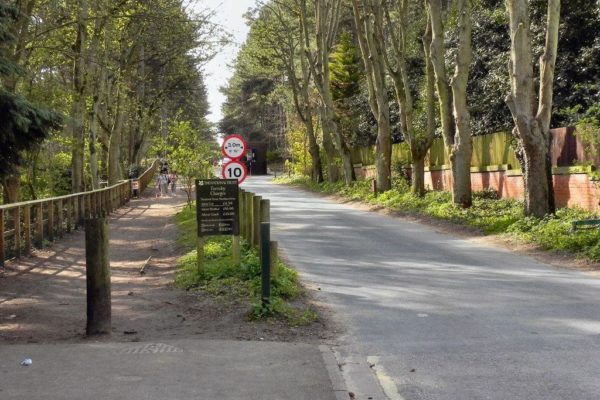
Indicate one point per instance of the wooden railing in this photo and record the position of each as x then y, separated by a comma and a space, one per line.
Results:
30, 224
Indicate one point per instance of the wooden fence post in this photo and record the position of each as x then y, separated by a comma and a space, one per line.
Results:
51, 221
2, 254
17, 230
69, 214
59, 217
39, 225
257, 219
27, 228
249, 219
97, 277
242, 205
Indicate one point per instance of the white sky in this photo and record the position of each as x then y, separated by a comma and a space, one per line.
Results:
228, 14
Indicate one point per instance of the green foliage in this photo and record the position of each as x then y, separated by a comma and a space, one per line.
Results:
23, 124
488, 214
227, 282
190, 155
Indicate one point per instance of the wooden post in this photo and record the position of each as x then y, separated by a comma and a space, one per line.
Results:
236, 250
76, 211
69, 214
87, 212
242, 219
51, 220
265, 210
249, 219
274, 259
17, 230
27, 228
257, 219
59, 219
200, 255
39, 225
2, 255
97, 277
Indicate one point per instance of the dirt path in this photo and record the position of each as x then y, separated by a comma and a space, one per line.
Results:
42, 298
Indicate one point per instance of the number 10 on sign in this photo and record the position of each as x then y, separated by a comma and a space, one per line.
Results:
234, 170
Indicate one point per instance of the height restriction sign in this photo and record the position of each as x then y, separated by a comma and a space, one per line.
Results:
234, 147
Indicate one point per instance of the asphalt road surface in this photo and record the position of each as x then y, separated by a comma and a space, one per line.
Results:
437, 316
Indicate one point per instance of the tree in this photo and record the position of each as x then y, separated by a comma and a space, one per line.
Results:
456, 127
532, 124
23, 124
190, 155
398, 35
368, 15
327, 16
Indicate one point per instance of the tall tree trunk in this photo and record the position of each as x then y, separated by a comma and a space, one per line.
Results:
114, 147
12, 188
533, 129
373, 57
332, 171
418, 182
78, 106
463, 148
327, 15
456, 126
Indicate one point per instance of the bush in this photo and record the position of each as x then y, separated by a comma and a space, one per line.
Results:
222, 279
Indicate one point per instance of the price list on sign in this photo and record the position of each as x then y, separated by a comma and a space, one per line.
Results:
217, 207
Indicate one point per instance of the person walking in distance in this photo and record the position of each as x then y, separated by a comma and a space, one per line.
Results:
173, 178
163, 183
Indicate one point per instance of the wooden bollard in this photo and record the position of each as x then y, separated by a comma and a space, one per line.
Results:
97, 277
256, 221
249, 218
242, 212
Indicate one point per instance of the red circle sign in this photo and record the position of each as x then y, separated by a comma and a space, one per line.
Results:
234, 170
234, 147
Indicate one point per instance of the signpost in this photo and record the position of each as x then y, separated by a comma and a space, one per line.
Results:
217, 213
234, 170
217, 200
217, 208
234, 147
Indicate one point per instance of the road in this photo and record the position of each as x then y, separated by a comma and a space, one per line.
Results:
437, 316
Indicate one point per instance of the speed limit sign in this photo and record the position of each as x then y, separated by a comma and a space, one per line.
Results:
234, 147
234, 170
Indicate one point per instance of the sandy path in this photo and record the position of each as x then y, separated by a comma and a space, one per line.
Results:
42, 297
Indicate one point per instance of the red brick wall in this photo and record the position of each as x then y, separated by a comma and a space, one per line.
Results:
573, 190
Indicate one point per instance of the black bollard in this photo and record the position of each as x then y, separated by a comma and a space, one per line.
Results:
265, 261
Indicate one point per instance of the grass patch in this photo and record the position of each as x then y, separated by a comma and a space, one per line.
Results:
227, 282
488, 214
